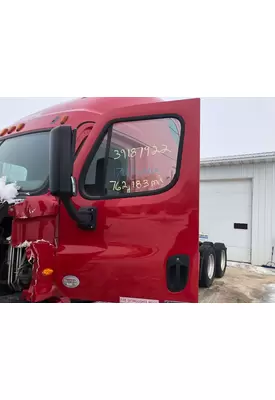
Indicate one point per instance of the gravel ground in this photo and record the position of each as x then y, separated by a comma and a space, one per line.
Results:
242, 283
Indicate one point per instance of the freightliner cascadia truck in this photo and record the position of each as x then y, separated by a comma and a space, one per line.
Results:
106, 206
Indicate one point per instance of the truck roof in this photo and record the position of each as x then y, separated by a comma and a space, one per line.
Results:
78, 110
94, 105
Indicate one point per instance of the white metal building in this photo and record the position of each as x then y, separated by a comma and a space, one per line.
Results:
238, 205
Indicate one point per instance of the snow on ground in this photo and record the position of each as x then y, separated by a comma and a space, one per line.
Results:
252, 268
269, 296
242, 283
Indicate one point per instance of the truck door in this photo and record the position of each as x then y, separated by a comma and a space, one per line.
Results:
139, 174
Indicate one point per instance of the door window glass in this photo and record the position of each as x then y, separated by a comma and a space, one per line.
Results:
142, 157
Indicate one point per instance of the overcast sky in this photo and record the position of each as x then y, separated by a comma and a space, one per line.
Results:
229, 125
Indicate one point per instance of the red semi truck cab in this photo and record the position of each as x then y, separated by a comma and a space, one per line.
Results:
108, 202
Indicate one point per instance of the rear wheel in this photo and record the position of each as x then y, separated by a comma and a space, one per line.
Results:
221, 259
208, 265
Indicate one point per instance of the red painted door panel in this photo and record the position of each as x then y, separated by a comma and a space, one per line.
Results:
145, 245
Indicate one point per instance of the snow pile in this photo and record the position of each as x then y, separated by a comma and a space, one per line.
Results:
269, 296
8, 192
252, 268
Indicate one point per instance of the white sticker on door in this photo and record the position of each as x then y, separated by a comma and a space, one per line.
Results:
131, 300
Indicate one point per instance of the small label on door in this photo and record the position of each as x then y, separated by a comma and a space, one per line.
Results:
170, 301
131, 300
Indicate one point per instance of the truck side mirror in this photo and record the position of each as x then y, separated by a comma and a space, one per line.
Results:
62, 150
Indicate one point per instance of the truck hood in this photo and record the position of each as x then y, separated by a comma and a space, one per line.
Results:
34, 219
33, 225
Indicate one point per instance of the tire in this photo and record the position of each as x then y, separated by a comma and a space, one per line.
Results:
221, 259
208, 244
208, 265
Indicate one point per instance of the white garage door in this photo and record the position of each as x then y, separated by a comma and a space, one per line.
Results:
226, 214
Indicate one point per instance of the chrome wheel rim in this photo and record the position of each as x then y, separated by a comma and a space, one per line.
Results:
211, 266
223, 261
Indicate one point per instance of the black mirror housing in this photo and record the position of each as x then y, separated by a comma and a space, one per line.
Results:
62, 184
62, 151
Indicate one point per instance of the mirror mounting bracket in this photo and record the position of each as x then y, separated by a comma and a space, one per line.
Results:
85, 218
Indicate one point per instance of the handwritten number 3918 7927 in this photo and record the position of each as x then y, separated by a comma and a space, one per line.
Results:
132, 153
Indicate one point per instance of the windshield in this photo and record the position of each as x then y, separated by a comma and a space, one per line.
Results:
25, 160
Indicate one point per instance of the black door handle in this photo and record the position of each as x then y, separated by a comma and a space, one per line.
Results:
177, 272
